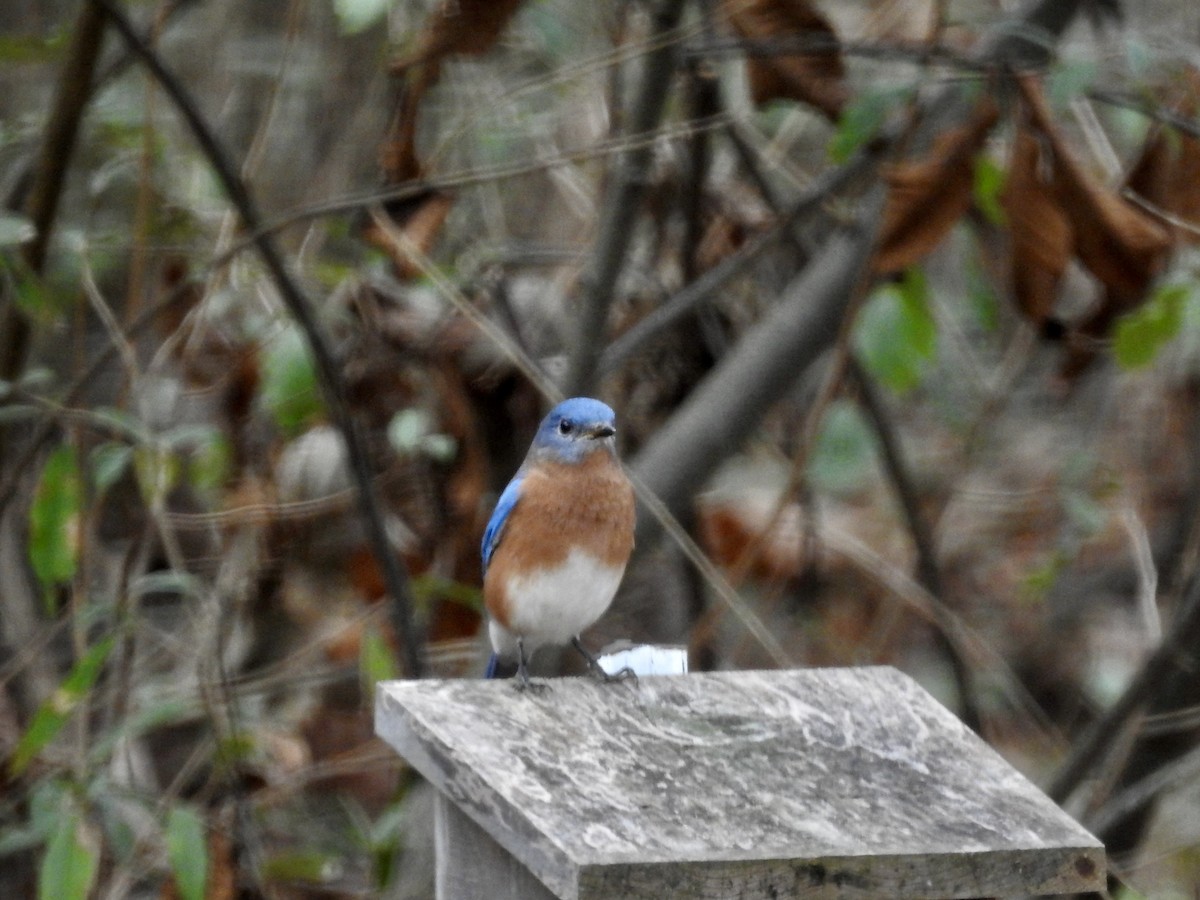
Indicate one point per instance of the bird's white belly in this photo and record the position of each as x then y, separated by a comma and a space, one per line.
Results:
555, 606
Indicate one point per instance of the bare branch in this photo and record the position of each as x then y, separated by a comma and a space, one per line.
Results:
620, 206
928, 572
1175, 652
74, 91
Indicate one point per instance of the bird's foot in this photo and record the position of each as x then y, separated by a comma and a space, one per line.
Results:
523, 682
625, 674
533, 687
593, 664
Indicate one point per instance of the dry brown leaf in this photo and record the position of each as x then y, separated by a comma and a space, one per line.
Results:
929, 195
456, 27
412, 227
729, 530
398, 156
1118, 243
1167, 174
469, 27
1041, 235
816, 78
347, 755
222, 880
723, 236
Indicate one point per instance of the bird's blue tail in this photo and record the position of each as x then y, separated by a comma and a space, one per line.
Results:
498, 668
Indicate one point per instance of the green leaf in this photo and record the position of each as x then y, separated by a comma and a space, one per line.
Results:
1041, 578
376, 662
68, 869
302, 865
1140, 57
122, 422
52, 521
896, 334
17, 839
42, 299
411, 431
289, 390
407, 429
862, 118
844, 454
33, 48
187, 848
233, 749
983, 305
15, 229
1128, 893
157, 470
1070, 80
358, 15
384, 839
1142, 333
210, 464
109, 462
45, 799
54, 713
168, 581
988, 183
429, 587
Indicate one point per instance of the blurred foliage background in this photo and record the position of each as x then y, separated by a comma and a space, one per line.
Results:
897, 301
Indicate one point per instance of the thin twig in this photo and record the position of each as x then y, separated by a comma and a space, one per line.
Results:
1092, 746
1137, 103
728, 595
928, 572
968, 643
1142, 791
917, 53
1143, 557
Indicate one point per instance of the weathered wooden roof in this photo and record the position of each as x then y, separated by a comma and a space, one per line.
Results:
821, 782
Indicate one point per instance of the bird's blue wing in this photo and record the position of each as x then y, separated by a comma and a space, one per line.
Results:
495, 526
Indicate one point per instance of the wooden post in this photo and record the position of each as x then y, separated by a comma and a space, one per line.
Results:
822, 783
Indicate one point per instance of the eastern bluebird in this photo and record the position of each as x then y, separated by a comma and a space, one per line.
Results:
556, 546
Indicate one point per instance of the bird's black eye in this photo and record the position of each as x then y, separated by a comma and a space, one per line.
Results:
565, 427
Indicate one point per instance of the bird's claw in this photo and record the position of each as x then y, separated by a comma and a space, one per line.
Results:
533, 687
624, 674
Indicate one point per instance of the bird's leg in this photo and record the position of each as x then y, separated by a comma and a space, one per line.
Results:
522, 682
522, 669
598, 670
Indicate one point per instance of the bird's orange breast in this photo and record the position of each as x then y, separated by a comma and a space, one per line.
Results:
586, 506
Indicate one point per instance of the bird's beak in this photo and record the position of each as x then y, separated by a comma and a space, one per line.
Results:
601, 431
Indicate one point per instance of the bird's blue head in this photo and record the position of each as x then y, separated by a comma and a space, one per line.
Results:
574, 429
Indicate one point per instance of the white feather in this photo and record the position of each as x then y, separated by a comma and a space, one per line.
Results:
554, 606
